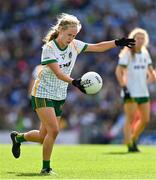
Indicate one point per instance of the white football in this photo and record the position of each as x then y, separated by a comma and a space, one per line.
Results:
92, 82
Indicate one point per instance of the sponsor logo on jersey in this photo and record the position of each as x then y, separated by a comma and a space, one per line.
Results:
65, 65
139, 67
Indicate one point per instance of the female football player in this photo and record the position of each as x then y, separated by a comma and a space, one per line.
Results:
132, 70
49, 92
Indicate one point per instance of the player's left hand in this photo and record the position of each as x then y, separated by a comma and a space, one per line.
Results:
77, 83
126, 93
125, 42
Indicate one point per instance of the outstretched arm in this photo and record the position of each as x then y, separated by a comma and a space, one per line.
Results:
100, 47
106, 45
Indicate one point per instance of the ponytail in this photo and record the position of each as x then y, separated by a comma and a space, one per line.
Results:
52, 34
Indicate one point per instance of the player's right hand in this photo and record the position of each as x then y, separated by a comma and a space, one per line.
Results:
126, 93
77, 83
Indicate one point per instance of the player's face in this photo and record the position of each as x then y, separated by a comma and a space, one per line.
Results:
140, 39
68, 35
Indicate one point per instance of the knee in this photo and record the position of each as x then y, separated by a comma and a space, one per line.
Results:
53, 132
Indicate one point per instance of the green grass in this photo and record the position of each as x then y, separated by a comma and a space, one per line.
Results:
80, 162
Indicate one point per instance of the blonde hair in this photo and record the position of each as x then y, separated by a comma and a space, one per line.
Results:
64, 21
132, 35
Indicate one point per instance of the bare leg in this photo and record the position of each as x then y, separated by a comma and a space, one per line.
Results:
36, 135
50, 122
136, 120
145, 116
130, 109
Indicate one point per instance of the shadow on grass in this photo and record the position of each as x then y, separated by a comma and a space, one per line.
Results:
19, 174
116, 153
122, 153
24, 174
28, 174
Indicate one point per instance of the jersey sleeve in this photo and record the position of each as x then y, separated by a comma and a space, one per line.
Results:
47, 55
124, 60
79, 46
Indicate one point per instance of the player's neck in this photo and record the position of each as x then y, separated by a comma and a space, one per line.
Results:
137, 50
60, 43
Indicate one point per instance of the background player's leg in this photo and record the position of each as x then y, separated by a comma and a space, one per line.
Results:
130, 109
144, 119
136, 120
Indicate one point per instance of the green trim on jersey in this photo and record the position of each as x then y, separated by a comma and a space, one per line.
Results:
123, 65
62, 49
150, 64
84, 48
44, 102
49, 61
138, 100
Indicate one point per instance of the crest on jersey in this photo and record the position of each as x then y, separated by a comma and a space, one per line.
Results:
63, 55
70, 55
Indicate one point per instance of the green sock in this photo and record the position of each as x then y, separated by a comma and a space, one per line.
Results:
46, 164
20, 138
129, 145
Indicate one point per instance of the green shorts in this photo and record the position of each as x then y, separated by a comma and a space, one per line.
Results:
138, 100
43, 102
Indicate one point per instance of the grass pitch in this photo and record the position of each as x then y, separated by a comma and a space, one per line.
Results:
80, 162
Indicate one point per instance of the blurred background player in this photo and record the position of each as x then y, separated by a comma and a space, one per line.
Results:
50, 88
133, 70
35, 73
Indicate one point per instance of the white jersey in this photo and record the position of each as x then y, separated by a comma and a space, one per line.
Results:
137, 73
47, 85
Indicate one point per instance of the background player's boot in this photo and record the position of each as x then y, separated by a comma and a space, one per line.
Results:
135, 148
